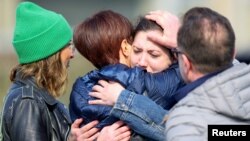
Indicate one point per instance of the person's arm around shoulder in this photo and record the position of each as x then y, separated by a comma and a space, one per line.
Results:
146, 119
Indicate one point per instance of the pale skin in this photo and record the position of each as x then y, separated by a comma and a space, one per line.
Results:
66, 54
115, 132
149, 55
108, 92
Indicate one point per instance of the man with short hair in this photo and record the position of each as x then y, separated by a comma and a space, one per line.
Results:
218, 90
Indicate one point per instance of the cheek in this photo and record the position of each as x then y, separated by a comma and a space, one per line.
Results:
154, 66
133, 60
158, 65
65, 55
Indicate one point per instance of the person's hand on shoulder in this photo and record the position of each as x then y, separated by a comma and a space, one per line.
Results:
170, 24
106, 92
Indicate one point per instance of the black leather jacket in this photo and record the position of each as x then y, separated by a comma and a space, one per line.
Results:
31, 114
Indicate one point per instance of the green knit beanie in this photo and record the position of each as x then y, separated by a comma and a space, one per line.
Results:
39, 33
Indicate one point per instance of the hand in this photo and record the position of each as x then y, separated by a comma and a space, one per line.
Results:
106, 92
85, 133
170, 24
116, 132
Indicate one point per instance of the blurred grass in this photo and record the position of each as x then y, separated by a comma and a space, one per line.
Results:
78, 67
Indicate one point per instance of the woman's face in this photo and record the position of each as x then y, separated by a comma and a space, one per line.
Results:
148, 55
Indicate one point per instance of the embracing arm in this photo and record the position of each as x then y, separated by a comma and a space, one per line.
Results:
142, 114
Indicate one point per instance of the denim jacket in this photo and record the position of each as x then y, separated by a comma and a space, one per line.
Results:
31, 114
159, 87
142, 114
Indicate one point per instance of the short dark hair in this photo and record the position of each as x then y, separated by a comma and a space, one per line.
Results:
99, 37
145, 25
207, 38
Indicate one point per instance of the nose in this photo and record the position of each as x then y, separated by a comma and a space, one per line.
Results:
73, 50
72, 55
142, 62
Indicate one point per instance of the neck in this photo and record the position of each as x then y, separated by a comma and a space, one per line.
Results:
124, 60
195, 76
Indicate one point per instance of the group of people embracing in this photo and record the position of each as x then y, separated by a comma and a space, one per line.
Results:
161, 79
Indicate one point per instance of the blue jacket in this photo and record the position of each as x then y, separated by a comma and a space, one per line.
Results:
159, 87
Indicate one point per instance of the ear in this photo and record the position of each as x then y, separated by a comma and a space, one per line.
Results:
125, 48
188, 67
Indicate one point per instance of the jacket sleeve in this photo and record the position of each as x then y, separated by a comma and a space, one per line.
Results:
29, 122
141, 114
130, 78
162, 86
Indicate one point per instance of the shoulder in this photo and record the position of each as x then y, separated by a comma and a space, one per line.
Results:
184, 124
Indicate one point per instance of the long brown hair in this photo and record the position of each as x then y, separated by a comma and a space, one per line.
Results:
50, 74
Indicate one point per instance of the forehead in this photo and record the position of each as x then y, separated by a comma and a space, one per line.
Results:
141, 41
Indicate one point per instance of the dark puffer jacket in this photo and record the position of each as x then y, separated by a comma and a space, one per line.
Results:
160, 87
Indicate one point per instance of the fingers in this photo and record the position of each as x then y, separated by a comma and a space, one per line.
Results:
100, 99
170, 24
100, 86
77, 123
89, 126
124, 136
92, 133
126, 139
92, 138
89, 130
95, 94
115, 132
157, 38
123, 132
103, 83
157, 16
117, 124
96, 102
97, 88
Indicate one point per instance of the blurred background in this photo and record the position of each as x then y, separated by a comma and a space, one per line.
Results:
77, 10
